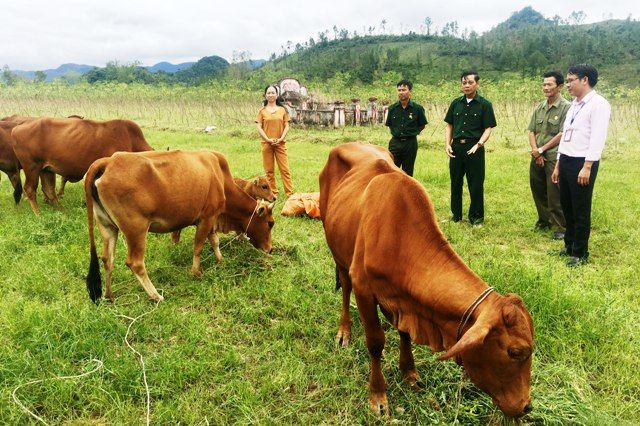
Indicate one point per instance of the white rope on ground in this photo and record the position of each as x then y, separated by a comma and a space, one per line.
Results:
140, 357
98, 366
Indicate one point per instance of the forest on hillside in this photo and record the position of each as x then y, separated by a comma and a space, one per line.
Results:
526, 43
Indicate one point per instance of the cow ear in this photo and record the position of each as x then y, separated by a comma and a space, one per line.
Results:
509, 315
256, 182
474, 337
260, 210
510, 310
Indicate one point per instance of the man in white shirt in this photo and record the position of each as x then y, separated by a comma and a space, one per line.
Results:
581, 145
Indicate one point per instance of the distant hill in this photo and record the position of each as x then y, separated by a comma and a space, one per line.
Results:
256, 63
526, 43
71, 71
169, 67
205, 68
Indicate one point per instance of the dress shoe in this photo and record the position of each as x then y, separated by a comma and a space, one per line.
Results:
558, 235
576, 261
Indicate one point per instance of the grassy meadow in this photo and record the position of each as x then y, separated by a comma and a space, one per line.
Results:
252, 341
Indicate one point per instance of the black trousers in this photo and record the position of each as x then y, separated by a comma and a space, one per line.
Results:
473, 167
576, 204
404, 151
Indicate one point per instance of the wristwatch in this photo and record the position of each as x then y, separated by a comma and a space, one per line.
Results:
480, 144
540, 150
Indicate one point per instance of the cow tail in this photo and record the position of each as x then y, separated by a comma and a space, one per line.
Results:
94, 281
338, 285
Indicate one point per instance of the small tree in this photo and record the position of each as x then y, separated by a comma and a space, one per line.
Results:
40, 77
9, 77
427, 23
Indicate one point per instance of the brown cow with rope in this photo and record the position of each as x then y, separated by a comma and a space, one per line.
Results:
381, 228
163, 192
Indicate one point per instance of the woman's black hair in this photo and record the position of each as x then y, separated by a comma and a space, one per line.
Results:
278, 98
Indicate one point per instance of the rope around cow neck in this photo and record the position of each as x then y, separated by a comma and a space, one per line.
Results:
467, 314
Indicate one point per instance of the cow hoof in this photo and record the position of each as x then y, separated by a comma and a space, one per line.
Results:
413, 380
157, 298
343, 338
378, 404
196, 273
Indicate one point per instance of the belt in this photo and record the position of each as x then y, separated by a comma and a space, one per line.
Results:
467, 140
405, 138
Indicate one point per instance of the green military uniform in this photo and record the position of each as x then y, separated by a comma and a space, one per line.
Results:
405, 125
546, 122
469, 121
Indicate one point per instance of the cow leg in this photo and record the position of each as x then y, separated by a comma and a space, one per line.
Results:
48, 180
214, 240
203, 230
175, 237
31, 186
375, 344
17, 185
63, 182
344, 330
109, 240
136, 242
407, 365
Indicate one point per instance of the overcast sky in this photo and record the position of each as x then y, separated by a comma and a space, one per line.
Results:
39, 34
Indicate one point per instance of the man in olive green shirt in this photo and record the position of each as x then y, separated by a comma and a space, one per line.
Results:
469, 119
405, 119
545, 130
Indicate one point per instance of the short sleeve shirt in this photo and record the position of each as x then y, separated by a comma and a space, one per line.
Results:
547, 121
404, 122
273, 123
470, 119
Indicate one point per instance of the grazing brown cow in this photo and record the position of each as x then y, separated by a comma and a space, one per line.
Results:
8, 161
47, 179
67, 147
163, 192
258, 188
380, 226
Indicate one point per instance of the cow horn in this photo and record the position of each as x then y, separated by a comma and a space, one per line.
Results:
472, 338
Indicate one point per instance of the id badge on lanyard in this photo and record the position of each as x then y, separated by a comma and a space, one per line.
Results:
566, 135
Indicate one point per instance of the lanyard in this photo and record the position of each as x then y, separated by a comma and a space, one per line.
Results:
573, 117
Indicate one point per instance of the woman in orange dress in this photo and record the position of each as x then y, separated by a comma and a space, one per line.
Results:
273, 126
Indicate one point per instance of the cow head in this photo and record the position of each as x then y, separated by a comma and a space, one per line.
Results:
261, 190
259, 230
496, 353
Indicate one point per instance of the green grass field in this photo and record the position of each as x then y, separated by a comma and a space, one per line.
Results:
253, 340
